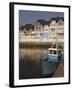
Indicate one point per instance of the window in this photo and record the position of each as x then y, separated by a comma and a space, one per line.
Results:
38, 28
59, 52
55, 52
50, 52
60, 23
42, 34
52, 29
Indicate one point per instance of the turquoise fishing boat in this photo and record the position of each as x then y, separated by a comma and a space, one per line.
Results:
55, 54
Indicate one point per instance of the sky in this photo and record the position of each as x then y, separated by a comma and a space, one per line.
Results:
30, 17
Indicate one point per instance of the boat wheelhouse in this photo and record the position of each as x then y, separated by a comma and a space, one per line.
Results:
55, 54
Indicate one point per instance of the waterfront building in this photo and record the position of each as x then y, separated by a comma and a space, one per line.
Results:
43, 30
56, 29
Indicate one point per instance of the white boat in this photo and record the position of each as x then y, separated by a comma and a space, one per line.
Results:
55, 54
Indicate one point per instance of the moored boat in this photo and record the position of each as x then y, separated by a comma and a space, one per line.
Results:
55, 54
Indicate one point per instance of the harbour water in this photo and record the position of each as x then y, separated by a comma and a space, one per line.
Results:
30, 64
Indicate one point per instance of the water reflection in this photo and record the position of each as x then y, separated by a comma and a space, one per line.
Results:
32, 66
29, 63
33, 54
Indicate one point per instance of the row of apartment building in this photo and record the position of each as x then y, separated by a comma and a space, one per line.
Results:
43, 30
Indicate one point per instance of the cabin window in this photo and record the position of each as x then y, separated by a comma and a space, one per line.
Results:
50, 52
59, 52
55, 52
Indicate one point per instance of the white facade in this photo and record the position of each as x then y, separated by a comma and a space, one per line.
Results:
56, 32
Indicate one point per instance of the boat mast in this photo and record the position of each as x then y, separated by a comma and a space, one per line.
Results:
56, 39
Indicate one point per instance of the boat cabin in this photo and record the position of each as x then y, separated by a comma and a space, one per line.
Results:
54, 54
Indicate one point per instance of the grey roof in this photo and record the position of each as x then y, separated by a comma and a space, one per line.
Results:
28, 26
21, 27
57, 19
43, 22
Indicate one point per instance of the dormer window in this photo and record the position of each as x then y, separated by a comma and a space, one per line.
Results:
60, 22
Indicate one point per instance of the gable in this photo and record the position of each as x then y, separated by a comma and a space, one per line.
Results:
38, 24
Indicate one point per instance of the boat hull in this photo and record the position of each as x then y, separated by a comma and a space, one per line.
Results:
55, 58
48, 67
